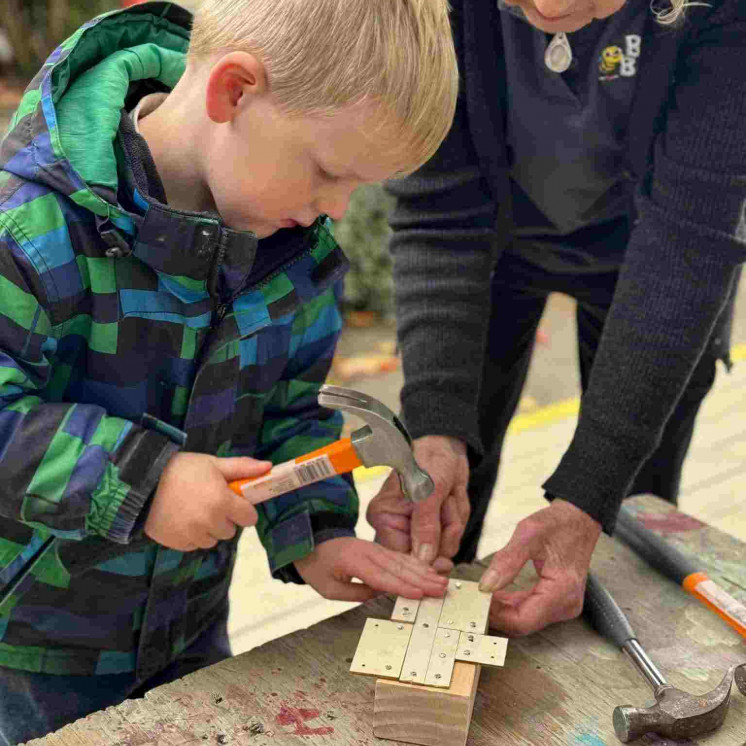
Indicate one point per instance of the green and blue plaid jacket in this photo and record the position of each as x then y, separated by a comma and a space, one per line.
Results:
129, 331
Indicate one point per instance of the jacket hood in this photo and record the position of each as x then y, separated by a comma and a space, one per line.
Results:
63, 133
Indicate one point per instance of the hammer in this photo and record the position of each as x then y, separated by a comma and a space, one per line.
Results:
688, 573
383, 441
675, 714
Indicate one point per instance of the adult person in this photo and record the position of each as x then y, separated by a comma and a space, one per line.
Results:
598, 150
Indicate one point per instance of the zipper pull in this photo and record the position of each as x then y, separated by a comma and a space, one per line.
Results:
558, 55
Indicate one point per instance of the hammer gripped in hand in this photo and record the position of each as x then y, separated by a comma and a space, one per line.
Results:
383, 441
676, 714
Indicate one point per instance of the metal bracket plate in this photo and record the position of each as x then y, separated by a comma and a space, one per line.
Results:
405, 610
382, 648
421, 642
465, 607
485, 649
442, 658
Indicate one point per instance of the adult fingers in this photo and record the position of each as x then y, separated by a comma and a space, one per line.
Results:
453, 527
388, 513
393, 532
506, 563
442, 565
529, 611
426, 527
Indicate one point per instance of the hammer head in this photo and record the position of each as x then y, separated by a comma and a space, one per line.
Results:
383, 441
677, 714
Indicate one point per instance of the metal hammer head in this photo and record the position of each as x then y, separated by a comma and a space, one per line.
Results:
383, 441
677, 714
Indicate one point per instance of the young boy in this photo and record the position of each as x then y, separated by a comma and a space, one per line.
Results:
167, 313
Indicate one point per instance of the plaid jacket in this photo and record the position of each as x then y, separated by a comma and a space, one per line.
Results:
129, 331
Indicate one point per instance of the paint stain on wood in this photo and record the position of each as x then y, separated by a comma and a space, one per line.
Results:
298, 716
669, 523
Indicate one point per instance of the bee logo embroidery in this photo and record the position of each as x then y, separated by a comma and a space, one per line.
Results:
616, 61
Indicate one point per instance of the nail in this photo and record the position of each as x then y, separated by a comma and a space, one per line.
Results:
425, 553
489, 580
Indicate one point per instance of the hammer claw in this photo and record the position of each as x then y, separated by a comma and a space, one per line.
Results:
384, 441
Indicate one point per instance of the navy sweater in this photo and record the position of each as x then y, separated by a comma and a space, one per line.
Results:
686, 150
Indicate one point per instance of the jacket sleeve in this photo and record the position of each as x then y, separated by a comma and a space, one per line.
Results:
443, 249
291, 525
66, 468
680, 264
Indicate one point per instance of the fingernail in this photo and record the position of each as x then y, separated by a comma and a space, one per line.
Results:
489, 580
425, 552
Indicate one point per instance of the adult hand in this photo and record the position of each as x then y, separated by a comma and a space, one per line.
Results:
559, 540
194, 508
330, 568
433, 528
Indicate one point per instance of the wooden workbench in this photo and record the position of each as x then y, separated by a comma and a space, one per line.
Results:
558, 686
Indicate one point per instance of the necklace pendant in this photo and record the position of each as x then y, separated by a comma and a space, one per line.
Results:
558, 54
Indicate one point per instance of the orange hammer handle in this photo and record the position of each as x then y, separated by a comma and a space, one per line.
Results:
716, 598
337, 458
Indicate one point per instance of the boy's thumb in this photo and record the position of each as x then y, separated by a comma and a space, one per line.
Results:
242, 467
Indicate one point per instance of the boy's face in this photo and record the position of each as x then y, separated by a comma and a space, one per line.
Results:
266, 170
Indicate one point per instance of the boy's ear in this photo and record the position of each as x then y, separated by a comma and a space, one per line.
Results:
234, 77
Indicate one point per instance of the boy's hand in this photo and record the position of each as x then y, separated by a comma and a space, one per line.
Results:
329, 569
193, 506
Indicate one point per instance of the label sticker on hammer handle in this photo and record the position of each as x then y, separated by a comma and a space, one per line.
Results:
288, 477
723, 600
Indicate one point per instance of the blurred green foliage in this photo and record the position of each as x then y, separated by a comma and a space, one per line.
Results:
363, 234
36, 27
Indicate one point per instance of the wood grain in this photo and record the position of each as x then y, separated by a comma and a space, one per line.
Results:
557, 688
418, 714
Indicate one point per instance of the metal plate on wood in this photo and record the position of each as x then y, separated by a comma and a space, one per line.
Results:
405, 610
485, 649
465, 607
417, 659
382, 648
442, 658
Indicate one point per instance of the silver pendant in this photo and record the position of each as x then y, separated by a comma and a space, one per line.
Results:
558, 55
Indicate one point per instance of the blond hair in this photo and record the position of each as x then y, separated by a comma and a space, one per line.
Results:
674, 14
323, 55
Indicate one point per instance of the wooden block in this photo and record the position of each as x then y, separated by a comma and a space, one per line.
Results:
429, 716
418, 714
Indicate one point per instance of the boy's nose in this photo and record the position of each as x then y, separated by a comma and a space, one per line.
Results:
335, 204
